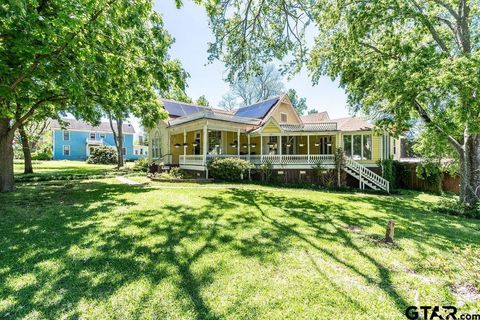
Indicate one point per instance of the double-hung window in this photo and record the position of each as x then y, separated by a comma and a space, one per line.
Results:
66, 150
92, 136
66, 135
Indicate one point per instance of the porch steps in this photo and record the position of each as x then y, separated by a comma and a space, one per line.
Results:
365, 176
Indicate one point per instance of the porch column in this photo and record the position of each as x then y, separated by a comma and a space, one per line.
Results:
248, 146
238, 142
183, 146
169, 150
205, 144
308, 148
280, 147
261, 148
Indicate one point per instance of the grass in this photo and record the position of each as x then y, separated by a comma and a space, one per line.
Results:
66, 170
98, 249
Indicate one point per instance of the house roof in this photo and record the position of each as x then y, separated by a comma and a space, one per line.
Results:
352, 124
74, 124
315, 117
258, 110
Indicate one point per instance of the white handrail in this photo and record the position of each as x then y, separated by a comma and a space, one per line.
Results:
368, 174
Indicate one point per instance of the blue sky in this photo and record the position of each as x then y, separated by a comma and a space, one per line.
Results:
189, 27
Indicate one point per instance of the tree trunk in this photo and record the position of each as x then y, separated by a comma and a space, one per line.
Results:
7, 183
120, 142
470, 171
27, 154
390, 231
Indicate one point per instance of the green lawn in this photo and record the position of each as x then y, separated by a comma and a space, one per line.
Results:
51, 170
97, 249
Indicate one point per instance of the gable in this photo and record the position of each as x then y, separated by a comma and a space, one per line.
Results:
285, 108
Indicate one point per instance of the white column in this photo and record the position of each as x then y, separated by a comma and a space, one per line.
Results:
205, 144
261, 148
169, 149
308, 148
248, 146
280, 147
238, 143
183, 146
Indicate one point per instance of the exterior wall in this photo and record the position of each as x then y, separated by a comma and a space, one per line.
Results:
292, 117
78, 144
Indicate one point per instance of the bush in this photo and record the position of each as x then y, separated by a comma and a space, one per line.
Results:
44, 155
141, 164
388, 171
103, 155
228, 168
174, 173
266, 169
432, 173
455, 208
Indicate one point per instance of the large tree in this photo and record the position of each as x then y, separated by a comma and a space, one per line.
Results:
396, 59
79, 57
300, 104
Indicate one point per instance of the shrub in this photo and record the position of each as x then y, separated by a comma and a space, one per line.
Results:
103, 155
388, 171
174, 173
228, 168
432, 173
456, 208
141, 164
42, 155
266, 169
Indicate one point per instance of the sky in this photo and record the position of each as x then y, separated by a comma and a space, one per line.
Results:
189, 26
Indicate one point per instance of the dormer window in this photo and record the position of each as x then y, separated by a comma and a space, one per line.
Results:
283, 117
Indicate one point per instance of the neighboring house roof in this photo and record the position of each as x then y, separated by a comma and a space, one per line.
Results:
315, 117
74, 124
352, 124
215, 115
258, 110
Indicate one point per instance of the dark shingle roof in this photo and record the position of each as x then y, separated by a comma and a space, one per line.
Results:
258, 110
74, 124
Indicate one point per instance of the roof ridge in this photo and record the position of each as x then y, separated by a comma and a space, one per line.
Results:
261, 101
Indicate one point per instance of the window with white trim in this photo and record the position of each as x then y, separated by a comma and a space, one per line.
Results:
92, 136
66, 135
358, 146
66, 150
102, 135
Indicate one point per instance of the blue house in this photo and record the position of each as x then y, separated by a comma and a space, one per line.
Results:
80, 138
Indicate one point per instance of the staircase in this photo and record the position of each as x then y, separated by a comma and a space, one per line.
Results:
366, 176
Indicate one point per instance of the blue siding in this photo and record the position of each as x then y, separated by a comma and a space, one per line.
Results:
78, 144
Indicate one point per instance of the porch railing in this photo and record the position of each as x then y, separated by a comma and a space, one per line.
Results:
260, 159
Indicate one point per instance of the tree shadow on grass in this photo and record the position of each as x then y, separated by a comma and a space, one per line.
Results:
96, 254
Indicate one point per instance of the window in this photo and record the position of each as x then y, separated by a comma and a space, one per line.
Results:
283, 117
66, 150
92, 136
136, 152
141, 150
156, 151
124, 151
66, 135
347, 145
358, 147
102, 135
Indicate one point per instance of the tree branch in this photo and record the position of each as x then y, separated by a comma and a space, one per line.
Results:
424, 115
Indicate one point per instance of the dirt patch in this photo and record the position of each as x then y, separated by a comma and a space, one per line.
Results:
466, 293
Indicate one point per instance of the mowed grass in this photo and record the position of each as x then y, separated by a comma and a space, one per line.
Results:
98, 249
62, 169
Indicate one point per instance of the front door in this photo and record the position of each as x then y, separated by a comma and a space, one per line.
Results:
325, 145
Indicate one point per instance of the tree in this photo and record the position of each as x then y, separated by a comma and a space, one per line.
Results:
266, 84
29, 135
312, 111
202, 101
80, 57
397, 60
300, 104
228, 102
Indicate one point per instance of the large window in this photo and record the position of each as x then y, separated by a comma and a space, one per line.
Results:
347, 145
156, 150
66, 135
358, 147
